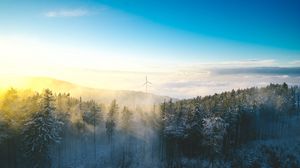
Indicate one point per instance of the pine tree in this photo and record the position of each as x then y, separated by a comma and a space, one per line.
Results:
110, 125
111, 120
10, 107
93, 117
170, 120
161, 124
126, 120
214, 129
4, 127
126, 126
40, 132
193, 128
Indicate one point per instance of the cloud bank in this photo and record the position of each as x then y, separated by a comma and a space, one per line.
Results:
101, 69
289, 71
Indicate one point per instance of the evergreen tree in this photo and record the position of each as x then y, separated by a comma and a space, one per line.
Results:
126, 120
40, 132
93, 117
214, 129
193, 129
111, 120
161, 124
4, 127
126, 126
170, 120
10, 108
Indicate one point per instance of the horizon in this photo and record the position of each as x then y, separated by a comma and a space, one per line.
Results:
186, 49
26, 83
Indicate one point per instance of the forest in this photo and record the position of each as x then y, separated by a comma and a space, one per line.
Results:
243, 128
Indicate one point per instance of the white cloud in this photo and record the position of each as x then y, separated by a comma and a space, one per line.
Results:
68, 13
94, 67
249, 63
295, 63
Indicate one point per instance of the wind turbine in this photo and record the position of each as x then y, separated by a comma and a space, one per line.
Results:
146, 84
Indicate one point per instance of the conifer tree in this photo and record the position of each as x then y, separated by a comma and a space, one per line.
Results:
111, 120
214, 129
4, 127
40, 131
93, 117
126, 124
126, 120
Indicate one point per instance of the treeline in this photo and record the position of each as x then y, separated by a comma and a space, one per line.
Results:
35, 128
57, 130
214, 126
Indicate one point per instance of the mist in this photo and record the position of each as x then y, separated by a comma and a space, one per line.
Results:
220, 130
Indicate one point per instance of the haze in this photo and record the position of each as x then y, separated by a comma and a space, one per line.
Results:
114, 45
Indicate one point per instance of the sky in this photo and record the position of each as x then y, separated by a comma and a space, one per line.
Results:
186, 48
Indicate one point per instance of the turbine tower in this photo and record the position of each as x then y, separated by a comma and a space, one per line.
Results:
146, 84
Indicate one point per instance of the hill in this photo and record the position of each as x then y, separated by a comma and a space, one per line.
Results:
105, 96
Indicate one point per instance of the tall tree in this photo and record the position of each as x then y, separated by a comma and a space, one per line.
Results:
40, 132
126, 126
93, 117
95, 111
214, 129
126, 120
111, 122
4, 127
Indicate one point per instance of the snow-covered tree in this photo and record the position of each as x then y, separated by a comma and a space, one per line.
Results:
214, 129
171, 120
111, 120
93, 117
126, 120
175, 127
40, 132
193, 129
126, 126
111, 123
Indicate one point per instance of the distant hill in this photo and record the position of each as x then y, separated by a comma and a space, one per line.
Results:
123, 97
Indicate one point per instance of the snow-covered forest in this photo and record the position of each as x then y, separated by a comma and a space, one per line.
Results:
247, 128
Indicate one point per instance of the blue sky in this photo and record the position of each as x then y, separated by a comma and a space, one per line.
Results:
187, 27
148, 36
270, 23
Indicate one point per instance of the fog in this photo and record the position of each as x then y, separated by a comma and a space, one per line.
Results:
220, 130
